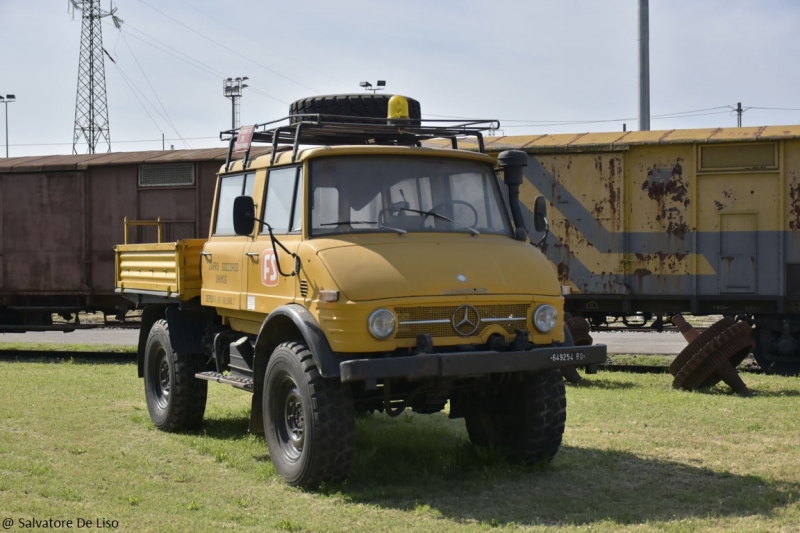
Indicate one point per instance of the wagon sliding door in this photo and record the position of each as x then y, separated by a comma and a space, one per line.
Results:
738, 253
739, 222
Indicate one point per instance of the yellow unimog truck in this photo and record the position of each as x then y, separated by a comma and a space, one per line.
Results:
353, 270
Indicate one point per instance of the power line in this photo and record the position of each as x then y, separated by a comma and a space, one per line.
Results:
543, 123
164, 109
776, 108
120, 142
130, 83
272, 49
131, 86
193, 62
231, 50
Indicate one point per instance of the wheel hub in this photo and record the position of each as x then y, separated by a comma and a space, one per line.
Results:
293, 421
163, 381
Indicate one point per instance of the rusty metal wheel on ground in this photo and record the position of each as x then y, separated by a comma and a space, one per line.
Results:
579, 329
717, 358
696, 345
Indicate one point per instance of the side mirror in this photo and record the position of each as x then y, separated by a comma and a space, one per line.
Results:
244, 215
540, 214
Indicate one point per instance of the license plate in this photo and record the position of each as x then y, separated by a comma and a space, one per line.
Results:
567, 357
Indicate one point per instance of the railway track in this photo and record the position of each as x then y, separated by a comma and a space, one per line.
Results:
130, 357
63, 355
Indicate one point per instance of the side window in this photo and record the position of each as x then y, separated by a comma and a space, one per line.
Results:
280, 212
229, 188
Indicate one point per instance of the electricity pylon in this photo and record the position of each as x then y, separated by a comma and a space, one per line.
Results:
91, 109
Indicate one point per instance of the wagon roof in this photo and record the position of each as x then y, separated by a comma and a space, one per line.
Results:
620, 140
65, 163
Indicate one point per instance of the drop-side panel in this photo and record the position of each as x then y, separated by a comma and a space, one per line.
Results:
172, 269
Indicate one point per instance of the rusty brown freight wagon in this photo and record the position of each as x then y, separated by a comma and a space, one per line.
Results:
61, 216
646, 224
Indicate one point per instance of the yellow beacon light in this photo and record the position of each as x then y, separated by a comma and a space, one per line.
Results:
398, 108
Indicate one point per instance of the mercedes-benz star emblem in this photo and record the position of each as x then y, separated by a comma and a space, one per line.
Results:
466, 320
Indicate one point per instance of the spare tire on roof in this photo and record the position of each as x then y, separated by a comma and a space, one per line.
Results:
350, 105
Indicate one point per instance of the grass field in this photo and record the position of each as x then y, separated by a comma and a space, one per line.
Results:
76, 442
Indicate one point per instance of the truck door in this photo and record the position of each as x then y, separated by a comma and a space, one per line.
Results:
269, 267
221, 266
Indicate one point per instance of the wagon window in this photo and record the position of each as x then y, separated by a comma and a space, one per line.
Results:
166, 175
229, 188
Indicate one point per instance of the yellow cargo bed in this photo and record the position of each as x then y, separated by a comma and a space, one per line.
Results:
170, 269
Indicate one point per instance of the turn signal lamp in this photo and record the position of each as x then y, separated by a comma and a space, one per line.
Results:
398, 108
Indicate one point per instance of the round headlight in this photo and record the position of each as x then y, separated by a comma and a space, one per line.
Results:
545, 318
381, 324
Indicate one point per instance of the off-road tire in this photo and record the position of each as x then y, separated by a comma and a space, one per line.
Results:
350, 105
326, 414
524, 419
176, 399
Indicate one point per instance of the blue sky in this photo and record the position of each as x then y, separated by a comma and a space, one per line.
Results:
533, 64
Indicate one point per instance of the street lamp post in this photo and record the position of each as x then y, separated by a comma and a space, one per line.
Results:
7, 100
374, 88
232, 88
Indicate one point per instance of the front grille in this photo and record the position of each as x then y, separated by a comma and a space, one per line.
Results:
437, 321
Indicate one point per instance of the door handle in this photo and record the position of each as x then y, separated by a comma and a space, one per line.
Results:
252, 255
207, 255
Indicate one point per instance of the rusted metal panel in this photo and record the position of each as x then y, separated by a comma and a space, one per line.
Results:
736, 134
658, 198
113, 195
780, 132
58, 228
42, 237
82, 162
586, 219
554, 141
661, 225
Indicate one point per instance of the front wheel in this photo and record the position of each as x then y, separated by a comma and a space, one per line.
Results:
309, 421
524, 419
176, 399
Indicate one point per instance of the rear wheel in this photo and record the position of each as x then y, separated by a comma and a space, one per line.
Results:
176, 399
309, 421
524, 419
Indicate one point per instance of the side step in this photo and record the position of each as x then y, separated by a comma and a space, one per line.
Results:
235, 381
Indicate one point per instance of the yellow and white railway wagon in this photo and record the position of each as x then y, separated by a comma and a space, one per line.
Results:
645, 224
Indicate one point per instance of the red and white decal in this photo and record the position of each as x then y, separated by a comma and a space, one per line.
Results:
269, 268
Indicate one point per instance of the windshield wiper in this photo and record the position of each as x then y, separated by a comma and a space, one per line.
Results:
376, 223
348, 222
437, 215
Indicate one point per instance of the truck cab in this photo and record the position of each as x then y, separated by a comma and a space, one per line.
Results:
354, 269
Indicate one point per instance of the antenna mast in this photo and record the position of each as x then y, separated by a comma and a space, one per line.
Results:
91, 109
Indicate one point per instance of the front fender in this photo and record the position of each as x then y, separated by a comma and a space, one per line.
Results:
291, 322
274, 331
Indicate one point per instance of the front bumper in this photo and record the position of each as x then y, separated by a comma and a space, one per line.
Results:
464, 364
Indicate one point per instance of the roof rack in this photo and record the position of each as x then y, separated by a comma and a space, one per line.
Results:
330, 130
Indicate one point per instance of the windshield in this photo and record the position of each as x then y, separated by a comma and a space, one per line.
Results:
365, 194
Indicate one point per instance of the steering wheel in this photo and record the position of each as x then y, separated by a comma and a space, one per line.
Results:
435, 209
